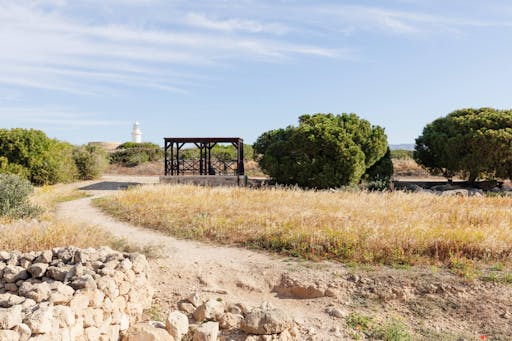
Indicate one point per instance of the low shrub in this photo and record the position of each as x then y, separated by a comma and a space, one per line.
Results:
14, 197
132, 154
91, 161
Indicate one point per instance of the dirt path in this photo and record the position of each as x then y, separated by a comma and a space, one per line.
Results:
438, 302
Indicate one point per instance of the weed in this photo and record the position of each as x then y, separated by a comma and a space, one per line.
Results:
395, 330
358, 321
155, 313
391, 330
498, 267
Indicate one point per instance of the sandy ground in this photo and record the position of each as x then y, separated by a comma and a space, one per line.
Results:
436, 304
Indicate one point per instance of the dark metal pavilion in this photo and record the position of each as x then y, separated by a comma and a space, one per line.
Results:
205, 165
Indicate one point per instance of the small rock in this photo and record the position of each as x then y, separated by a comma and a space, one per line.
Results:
38, 292
297, 287
92, 334
12, 287
64, 316
60, 293
40, 320
186, 307
196, 299
207, 332
139, 262
177, 324
37, 269
157, 324
79, 302
58, 273
8, 300
209, 310
4, 256
266, 320
23, 331
44, 257
83, 282
335, 312
146, 332
10, 317
506, 315
230, 321
13, 273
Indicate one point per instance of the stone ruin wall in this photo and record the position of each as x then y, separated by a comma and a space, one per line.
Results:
71, 294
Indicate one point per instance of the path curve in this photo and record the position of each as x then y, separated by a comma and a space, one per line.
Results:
188, 266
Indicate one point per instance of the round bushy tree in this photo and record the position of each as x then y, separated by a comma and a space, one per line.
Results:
323, 151
476, 143
43, 160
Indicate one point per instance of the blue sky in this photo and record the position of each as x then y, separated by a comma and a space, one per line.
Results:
86, 70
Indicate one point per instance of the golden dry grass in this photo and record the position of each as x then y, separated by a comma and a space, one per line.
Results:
37, 235
365, 227
46, 231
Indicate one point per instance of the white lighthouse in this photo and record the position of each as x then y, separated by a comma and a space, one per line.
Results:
136, 133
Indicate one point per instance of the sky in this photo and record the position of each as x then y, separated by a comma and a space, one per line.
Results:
87, 70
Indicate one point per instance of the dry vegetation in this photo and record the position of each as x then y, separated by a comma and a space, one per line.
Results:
409, 168
47, 232
390, 228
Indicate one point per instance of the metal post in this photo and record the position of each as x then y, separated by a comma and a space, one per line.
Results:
240, 158
165, 158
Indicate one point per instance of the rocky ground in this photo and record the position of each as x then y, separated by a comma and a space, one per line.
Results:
324, 300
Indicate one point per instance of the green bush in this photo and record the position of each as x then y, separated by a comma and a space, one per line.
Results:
91, 161
323, 151
131, 154
476, 143
31, 154
14, 194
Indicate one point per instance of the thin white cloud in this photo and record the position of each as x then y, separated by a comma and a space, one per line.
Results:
233, 25
46, 49
55, 117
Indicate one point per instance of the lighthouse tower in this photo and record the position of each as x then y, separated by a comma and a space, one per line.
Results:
136, 133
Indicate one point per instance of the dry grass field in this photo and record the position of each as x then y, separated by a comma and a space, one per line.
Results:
386, 228
46, 231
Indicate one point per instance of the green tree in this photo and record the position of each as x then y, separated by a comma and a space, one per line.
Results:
91, 161
382, 170
474, 143
323, 151
44, 160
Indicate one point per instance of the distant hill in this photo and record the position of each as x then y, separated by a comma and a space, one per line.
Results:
406, 146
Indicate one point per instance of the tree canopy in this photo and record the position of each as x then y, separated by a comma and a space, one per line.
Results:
323, 151
475, 143
31, 154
